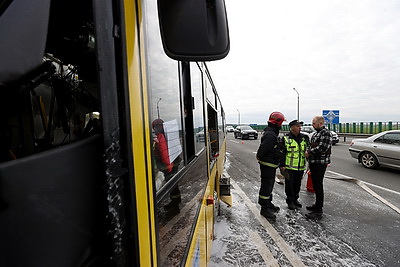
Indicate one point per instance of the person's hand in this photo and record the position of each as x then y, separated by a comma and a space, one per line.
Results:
306, 154
170, 166
282, 169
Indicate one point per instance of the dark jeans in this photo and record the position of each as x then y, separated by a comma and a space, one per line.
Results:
267, 185
317, 177
292, 185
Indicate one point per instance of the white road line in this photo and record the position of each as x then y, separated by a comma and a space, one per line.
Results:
233, 141
263, 249
364, 186
293, 258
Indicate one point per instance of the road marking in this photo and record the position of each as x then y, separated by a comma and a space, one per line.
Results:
263, 249
364, 186
233, 141
293, 258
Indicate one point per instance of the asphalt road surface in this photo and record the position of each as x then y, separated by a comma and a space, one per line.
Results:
360, 227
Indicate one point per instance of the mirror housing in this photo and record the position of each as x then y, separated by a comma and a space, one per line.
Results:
194, 30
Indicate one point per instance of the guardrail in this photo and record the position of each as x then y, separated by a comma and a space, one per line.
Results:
353, 135
341, 135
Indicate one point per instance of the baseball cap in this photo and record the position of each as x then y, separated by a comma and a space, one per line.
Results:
295, 122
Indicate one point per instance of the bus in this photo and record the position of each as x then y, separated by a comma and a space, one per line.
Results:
112, 140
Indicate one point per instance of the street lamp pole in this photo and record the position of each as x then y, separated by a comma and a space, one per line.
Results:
238, 117
298, 105
158, 110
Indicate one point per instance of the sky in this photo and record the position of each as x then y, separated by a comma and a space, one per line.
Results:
339, 55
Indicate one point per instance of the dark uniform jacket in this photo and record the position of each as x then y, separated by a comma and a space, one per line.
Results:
269, 152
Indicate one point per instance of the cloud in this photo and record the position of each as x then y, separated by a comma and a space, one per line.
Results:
338, 54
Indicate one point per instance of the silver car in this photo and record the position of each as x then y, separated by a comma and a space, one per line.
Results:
380, 149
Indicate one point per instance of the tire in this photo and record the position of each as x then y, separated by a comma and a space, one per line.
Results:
368, 160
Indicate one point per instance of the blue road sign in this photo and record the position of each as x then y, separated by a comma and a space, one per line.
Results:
331, 116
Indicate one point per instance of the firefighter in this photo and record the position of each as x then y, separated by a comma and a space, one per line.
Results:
293, 162
268, 155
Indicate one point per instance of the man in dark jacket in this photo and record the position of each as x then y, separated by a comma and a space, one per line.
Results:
319, 156
268, 155
293, 162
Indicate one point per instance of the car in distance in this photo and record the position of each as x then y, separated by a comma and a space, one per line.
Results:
382, 149
245, 132
230, 129
309, 130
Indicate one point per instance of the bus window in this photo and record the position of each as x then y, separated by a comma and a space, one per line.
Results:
198, 117
213, 132
166, 115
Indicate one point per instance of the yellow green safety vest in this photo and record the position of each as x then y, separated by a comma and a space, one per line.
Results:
295, 159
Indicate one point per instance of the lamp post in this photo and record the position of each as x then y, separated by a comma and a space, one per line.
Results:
298, 105
238, 117
158, 109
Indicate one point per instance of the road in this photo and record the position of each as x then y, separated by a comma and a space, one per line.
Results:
361, 224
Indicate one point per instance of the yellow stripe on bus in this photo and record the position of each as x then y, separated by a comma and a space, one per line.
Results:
140, 138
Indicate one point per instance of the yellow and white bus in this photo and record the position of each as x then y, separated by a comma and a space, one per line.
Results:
112, 140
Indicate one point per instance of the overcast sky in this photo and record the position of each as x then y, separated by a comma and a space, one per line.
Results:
340, 55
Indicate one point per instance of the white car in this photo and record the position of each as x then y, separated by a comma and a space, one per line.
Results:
230, 129
309, 130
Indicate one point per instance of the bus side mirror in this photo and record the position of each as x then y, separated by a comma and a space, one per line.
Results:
194, 30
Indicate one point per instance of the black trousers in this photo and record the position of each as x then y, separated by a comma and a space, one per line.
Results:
292, 185
267, 185
317, 177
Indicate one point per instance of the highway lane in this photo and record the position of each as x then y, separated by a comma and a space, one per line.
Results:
357, 229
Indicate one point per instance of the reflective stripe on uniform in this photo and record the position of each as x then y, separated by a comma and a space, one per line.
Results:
264, 197
268, 164
175, 196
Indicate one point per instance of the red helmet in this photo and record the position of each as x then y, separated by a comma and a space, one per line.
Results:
276, 118
157, 122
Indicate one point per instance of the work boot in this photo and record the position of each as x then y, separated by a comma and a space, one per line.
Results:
268, 213
291, 206
273, 207
173, 204
314, 215
312, 208
298, 204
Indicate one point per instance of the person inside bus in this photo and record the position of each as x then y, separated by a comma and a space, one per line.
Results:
163, 163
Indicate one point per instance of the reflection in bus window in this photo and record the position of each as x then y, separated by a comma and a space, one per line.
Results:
198, 118
164, 88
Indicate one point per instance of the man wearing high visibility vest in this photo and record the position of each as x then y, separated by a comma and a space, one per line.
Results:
269, 155
293, 162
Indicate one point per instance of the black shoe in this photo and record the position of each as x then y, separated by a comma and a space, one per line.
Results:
268, 213
171, 212
174, 204
291, 206
274, 208
298, 204
312, 208
314, 215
